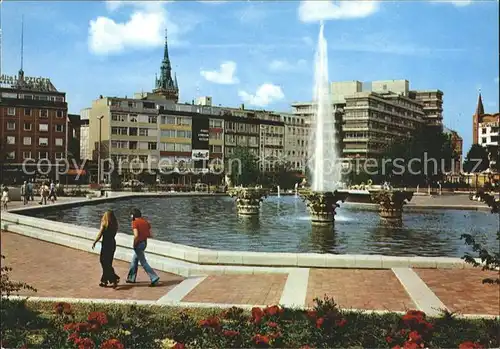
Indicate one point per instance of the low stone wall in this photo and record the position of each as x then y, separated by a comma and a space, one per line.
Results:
187, 260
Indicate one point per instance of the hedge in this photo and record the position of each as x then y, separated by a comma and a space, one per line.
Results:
92, 326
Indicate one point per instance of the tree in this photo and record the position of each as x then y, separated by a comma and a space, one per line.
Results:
243, 167
426, 156
476, 160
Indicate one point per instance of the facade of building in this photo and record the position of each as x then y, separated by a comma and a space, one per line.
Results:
85, 149
432, 101
33, 122
486, 131
457, 145
297, 136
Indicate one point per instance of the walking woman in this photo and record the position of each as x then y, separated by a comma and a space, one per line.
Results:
5, 197
109, 227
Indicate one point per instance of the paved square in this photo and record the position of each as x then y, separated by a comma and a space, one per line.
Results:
461, 290
359, 289
58, 271
262, 289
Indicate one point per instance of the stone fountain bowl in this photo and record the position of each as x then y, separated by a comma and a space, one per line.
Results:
248, 192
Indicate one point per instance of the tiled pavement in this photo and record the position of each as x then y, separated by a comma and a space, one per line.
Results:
58, 271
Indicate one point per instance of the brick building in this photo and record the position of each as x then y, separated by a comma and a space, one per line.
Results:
33, 125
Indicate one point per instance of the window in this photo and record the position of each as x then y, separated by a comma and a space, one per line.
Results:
27, 126
132, 131
143, 132
119, 144
132, 145
119, 117
148, 105
11, 125
59, 113
216, 148
167, 133
43, 155
11, 111
43, 141
152, 145
44, 113
59, 128
28, 96
119, 131
27, 140
183, 134
43, 127
26, 155
152, 119
11, 155
59, 142
170, 120
27, 112
131, 104
216, 123
133, 118
11, 140
215, 135
59, 99
59, 155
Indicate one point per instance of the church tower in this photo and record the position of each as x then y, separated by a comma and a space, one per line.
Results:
164, 85
476, 119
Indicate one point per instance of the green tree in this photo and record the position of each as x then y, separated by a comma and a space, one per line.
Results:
243, 167
476, 159
425, 156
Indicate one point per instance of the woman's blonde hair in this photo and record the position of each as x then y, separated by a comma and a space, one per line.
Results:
109, 220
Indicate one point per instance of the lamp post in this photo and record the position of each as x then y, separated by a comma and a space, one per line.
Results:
99, 170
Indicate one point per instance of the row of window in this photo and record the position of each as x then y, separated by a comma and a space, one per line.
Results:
134, 145
151, 119
175, 147
43, 98
42, 113
241, 127
41, 141
41, 155
132, 104
133, 131
242, 140
11, 126
176, 134
176, 120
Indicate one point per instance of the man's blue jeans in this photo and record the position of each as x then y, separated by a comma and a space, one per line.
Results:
139, 256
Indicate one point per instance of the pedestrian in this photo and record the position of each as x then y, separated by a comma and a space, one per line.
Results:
24, 192
44, 193
30, 190
5, 197
52, 192
109, 227
142, 231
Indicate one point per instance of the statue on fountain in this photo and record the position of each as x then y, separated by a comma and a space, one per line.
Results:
248, 199
391, 204
322, 205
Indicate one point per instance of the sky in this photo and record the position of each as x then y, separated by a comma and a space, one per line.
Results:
259, 53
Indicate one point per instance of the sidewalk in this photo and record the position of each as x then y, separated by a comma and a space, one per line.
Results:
62, 272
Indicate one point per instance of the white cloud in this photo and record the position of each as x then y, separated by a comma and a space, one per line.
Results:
144, 29
313, 11
266, 94
224, 76
284, 65
213, 2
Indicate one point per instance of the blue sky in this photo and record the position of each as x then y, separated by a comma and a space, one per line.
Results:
259, 52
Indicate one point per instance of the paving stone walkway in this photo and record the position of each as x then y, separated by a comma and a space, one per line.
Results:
58, 271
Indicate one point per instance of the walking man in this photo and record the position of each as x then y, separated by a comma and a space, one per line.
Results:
142, 231
24, 192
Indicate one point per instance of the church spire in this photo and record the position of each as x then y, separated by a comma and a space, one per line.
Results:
480, 107
165, 85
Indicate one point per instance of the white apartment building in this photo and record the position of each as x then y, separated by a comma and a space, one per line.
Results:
297, 135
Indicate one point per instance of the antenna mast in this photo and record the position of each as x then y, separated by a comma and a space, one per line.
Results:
1, 38
22, 42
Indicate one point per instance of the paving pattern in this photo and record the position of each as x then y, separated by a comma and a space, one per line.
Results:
57, 271
358, 289
462, 290
262, 289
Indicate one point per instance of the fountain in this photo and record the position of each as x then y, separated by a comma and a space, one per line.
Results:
248, 199
322, 198
391, 204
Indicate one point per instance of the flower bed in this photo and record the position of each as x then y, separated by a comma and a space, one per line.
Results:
61, 325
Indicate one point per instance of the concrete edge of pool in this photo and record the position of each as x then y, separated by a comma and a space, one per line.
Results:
192, 261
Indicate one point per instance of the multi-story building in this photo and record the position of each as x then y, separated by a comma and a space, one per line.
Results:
33, 118
297, 135
432, 101
486, 131
85, 149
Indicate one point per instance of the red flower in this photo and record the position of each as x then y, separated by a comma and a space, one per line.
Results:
416, 313
257, 314
410, 345
341, 322
112, 344
230, 333
211, 322
272, 324
69, 327
94, 327
273, 310
470, 345
389, 339
415, 337
178, 346
62, 307
319, 322
312, 314
85, 343
260, 339
73, 337
275, 335
81, 327
98, 317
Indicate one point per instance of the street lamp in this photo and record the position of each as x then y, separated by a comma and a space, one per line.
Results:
99, 151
